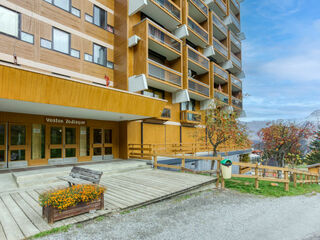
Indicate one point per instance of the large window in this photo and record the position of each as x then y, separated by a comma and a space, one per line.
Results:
100, 17
61, 41
64, 4
99, 55
153, 92
9, 22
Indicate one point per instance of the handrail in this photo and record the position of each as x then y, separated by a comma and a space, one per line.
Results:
235, 20
198, 29
236, 4
198, 86
201, 5
235, 40
236, 81
220, 47
170, 6
163, 73
216, 20
220, 71
221, 96
190, 116
222, 5
198, 57
236, 60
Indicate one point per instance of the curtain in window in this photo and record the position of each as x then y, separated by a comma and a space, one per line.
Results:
99, 54
99, 17
61, 41
9, 22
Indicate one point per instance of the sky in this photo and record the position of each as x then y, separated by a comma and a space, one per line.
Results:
281, 58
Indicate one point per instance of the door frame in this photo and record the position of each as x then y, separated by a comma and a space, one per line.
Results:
25, 147
39, 161
5, 146
54, 146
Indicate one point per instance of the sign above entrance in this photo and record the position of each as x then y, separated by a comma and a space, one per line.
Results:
65, 121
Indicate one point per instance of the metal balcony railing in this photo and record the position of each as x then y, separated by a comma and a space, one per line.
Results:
222, 49
237, 102
190, 116
219, 24
220, 72
235, 20
164, 37
170, 7
198, 87
196, 57
201, 5
163, 73
222, 5
202, 33
236, 4
236, 60
221, 97
236, 82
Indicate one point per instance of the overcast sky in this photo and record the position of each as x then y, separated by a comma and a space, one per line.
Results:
281, 58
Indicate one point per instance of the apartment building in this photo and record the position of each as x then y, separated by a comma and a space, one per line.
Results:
80, 80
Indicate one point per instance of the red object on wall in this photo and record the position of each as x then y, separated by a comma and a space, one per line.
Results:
107, 80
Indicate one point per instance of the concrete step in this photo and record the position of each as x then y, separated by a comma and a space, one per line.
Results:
49, 176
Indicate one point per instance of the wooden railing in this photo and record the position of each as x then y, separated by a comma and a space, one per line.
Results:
260, 171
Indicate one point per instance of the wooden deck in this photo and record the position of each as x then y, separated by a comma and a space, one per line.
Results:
20, 213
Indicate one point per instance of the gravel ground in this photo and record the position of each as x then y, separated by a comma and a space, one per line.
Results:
210, 215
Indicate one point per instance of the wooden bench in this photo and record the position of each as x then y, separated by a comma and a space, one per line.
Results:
80, 175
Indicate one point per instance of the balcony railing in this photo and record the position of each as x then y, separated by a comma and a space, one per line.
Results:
190, 117
222, 5
196, 57
201, 5
163, 73
164, 37
219, 24
166, 113
236, 4
236, 102
170, 7
198, 87
195, 27
220, 72
235, 40
221, 97
235, 20
236, 82
236, 60
222, 49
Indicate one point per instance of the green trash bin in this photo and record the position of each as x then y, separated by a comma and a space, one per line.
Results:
226, 168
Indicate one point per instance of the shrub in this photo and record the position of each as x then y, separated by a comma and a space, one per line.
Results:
67, 197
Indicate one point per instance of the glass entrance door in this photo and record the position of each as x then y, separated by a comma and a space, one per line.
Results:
17, 142
70, 142
55, 142
3, 146
38, 145
102, 143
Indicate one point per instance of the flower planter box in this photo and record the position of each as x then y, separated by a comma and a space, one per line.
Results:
53, 215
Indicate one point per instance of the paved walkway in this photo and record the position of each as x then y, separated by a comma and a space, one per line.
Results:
21, 215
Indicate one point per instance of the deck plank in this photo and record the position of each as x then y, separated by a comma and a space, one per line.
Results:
2, 234
24, 223
8, 223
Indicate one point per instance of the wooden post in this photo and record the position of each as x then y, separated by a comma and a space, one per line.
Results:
301, 176
218, 173
183, 163
256, 170
155, 161
295, 179
308, 178
286, 184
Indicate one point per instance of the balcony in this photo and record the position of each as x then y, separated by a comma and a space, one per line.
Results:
221, 51
236, 82
200, 90
197, 62
220, 73
165, 12
197, 35
236, 62
233, 23
162, 77
237, 102
198, 10
190, 117
235, 6
235, 43
222, 97
219, 7
220, 30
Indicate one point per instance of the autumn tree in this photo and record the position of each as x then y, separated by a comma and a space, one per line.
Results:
282, 141
223, 126
314, 156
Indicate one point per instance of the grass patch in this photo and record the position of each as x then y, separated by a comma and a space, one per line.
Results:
246, 185
186, 196
52, 231
100, 218
79, 225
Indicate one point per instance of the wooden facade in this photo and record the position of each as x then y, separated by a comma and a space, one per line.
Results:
38, 81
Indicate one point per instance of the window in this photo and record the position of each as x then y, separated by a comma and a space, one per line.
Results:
99, 55
188, 105
45, 43
61, 41
75, 12
153, 92
88, 57
64, 4
9, 22
75, 53
26, 37
100, 17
